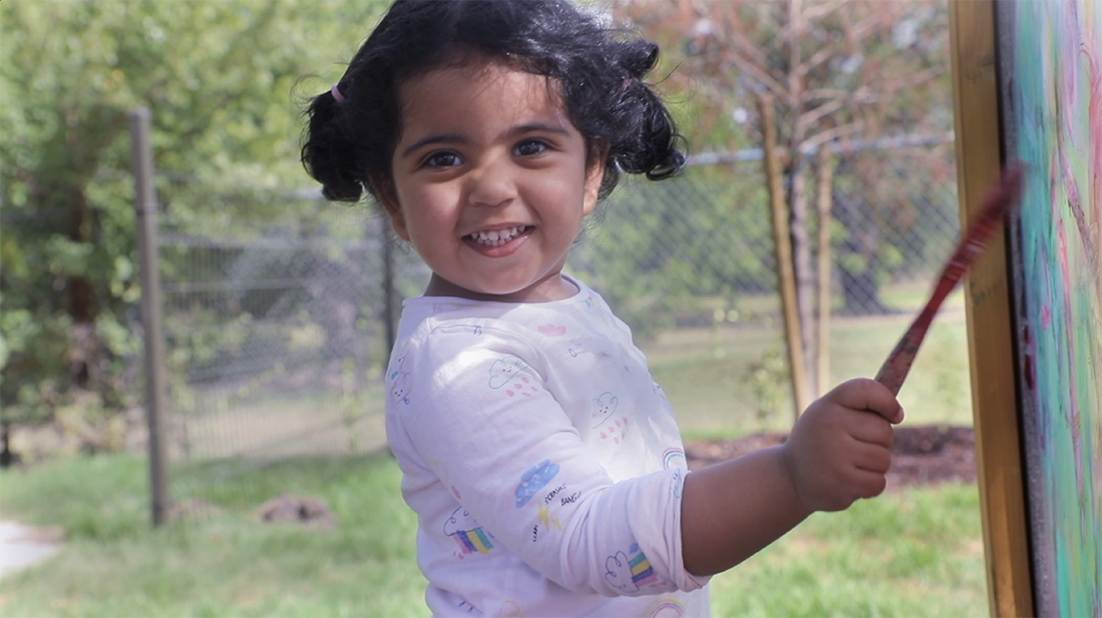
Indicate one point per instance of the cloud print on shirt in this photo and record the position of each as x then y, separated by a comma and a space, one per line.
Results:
605, 407
629, 573
468, 533
503, 370
535, 479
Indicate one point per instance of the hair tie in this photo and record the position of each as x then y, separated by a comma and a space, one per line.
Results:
336, 92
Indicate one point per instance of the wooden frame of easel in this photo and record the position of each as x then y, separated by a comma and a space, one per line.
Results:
989, 303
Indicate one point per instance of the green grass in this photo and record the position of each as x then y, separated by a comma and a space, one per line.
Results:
225, 563
702, 370
938, 388
917, 552
911, 553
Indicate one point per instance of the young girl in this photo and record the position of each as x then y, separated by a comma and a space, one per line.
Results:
542, 460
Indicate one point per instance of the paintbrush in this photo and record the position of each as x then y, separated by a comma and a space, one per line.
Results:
1000, 199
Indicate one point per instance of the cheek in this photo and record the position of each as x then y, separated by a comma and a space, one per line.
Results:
430, 221
417, 206
566, 192
431, 199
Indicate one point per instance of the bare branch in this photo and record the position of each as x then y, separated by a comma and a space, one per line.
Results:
820, 57
826, 93
857, 32
854, 34
815, 12
809, 117
748, 56
753, 62
815, 141
909, 81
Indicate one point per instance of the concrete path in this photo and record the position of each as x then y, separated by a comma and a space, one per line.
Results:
23, 545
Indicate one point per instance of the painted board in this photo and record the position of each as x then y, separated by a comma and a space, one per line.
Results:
1050, 80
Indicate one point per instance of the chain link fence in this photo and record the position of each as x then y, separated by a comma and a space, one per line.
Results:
277, 333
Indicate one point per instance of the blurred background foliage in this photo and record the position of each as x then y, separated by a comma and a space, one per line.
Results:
225, 82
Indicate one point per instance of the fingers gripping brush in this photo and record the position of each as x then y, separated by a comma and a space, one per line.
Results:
1000, 199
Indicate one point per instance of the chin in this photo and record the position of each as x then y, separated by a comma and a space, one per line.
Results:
501, 288
500, 292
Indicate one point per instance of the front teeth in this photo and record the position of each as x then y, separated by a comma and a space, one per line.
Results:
496, 238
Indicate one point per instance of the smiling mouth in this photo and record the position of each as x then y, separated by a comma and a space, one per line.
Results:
496, 238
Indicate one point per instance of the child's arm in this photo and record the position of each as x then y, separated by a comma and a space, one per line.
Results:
836, 453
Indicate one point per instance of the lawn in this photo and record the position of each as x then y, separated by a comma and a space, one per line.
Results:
223, 562
705, 371
723, 381
914, 552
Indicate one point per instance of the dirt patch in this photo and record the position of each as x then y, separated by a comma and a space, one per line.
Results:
311, 512
920, 455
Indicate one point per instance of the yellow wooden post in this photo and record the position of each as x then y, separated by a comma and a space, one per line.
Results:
989, 310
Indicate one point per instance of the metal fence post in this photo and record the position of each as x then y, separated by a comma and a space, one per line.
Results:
389, 295
145, 210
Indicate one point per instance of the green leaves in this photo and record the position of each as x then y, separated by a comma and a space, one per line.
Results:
223, 80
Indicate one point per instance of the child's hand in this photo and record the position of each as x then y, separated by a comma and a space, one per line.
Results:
838, 450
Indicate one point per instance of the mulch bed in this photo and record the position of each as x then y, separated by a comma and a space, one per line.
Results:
921, 455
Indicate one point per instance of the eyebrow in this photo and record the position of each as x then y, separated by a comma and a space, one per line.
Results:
455, 137
432, 139
542, 128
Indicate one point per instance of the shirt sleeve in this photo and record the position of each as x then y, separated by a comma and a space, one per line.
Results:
475, 409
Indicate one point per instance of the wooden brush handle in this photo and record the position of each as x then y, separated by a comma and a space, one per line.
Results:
1000, 199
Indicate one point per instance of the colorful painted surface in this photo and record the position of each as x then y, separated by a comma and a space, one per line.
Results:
1055, 92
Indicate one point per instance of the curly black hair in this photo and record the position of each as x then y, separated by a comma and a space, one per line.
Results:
348, 143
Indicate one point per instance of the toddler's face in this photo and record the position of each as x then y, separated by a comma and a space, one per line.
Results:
491, 182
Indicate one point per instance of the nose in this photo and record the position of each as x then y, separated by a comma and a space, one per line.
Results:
492, 183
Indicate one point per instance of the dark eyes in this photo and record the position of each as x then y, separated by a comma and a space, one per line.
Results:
447, 158
529, 147
442, 159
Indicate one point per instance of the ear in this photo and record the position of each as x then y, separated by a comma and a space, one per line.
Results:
384, 192
594, 174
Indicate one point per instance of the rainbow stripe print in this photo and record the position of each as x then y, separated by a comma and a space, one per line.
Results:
674, 458
473, 541
642, 574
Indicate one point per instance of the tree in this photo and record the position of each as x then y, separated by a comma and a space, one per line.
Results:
838, 71
219, 78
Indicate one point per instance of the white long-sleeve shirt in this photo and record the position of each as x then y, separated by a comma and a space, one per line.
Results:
542, 460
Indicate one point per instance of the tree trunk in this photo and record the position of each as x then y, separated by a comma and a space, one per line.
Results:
823, 193
783, 249
801, 265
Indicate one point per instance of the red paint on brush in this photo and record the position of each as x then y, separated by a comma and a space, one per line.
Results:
999, 200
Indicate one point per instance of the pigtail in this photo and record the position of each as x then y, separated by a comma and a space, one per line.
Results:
639, 57
657, 151
328, 154
621, 112
651, 143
